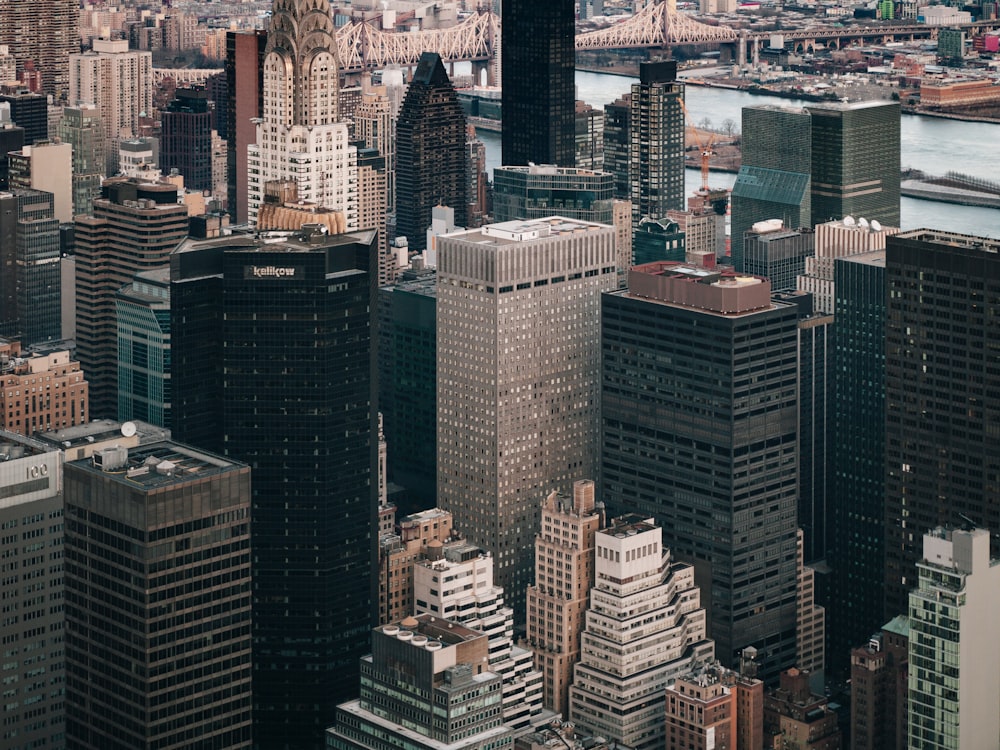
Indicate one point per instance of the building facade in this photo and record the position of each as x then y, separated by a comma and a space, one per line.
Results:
167, 526
245, 104
564, 575
777, 252
656, 153
538, 63
699, 413
44, 34
46, 166
713, 707
879, 685
186, 138
81, 128
538, 191
520, 401
142, 312
41, 391
644, 627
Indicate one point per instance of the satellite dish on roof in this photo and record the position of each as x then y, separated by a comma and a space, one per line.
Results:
876, 225
848, 221
128, 429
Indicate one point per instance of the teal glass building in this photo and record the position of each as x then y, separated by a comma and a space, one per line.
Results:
143, 313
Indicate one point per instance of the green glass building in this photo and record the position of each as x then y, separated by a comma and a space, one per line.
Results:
143, 313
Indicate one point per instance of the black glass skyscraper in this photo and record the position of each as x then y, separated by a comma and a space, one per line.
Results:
273, 366
538, 56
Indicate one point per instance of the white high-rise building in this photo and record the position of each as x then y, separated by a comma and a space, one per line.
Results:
119, 81
300, 137
456, 582
954, 676
518, 386
645, 626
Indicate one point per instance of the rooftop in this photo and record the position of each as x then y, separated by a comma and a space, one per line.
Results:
434, 628
155, 466
522, 230
102, 429
953, 239
628, 525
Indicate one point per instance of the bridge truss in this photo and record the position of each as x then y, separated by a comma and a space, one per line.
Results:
659, 24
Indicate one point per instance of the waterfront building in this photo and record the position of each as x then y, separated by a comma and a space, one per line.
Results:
855, 161
455, 581
799, 717
48, 167
426, 685
617, 144
44, 35
119, 82
137, 531
33, 670
656, 154
517, 377
564, 575
838, 239
25, 374
271, 348
142, 312
30, 111
407, 361
774, 181
954, 670
186, 138
538, 191
81, 128
942, 404
645, 627
30, 284
770, 249
856, 520
714, 707
244, 105
538, 63
300, 136
669, 445
134, 227
879, 686
399, 549
431, 165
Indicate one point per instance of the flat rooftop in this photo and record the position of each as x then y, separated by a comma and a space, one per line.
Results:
434, 628
523, 230
156, 465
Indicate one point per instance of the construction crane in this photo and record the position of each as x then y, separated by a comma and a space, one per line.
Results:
705, 148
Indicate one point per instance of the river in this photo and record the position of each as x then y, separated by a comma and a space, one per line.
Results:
933, 145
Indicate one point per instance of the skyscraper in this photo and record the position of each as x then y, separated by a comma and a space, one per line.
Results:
954, 673
245, 104
29, 111
517, 399
645, 626
81, 128
272, 365
186, 138
700, 413
46, 166
44, 33
855, 161
538, 62
142, 312
777, 252
431, 165
538, 191
300, 136
656, 154
134, 228
617, 143
942, 404
774, 178
157, 599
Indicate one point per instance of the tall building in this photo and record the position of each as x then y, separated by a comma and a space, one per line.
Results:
31, 538
517, 406
879, 685
855, 161
777, 252
48, 167
617, 143
711, 707
134, 227
455, 581
30, 284
589, 124
564, 574
856, 518
371, 208
374, 123
942, 404
537, 191
300, 136
44, 34
158, 591
699, 412
774, 177
645, 626
431, 167
656, 154
954, 673
538, 63
29, 111
11, 139
658, 239
810, 629
186, 138
425, 686
271, 347
398, 550
119, 81
245, 104
81, 128
142, 312
25, 374
407, 362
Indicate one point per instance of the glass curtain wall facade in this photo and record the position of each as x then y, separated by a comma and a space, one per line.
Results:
143, 314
